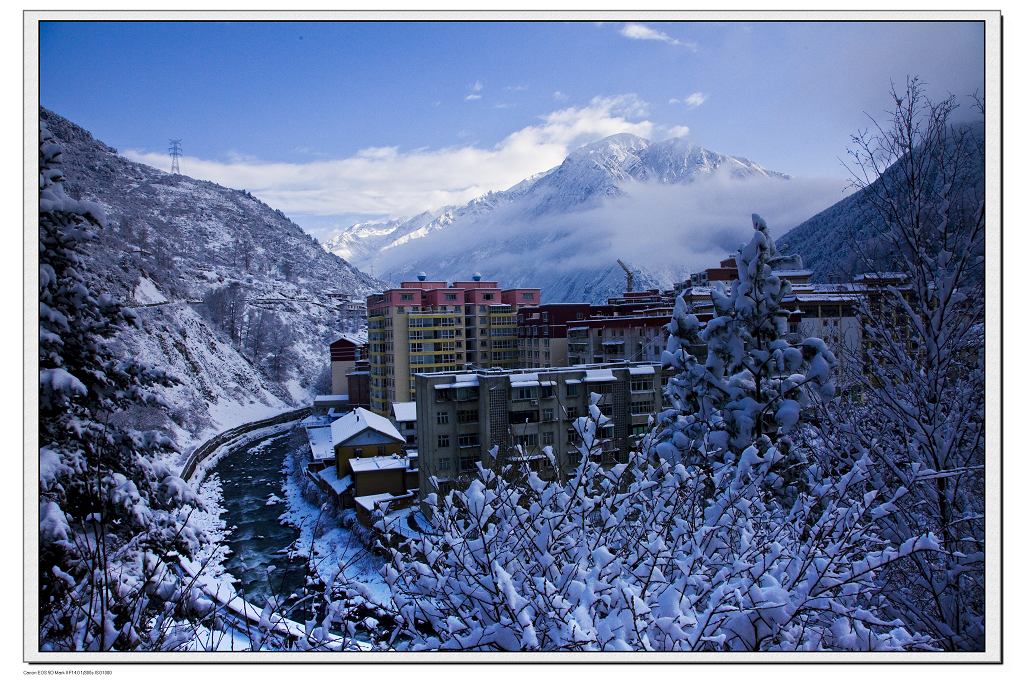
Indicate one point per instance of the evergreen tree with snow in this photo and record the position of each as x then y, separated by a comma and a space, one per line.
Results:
755, 382
110, 516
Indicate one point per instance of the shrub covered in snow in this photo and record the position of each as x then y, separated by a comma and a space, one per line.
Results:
921, 415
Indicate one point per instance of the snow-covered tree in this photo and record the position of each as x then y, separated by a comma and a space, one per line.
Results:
755, 381
110, 520
922, 416
664, 552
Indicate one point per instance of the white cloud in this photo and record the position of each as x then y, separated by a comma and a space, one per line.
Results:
688, 226
474, 91
678, 131
559, 96
385, 180
644, 32
692, 101
695, 99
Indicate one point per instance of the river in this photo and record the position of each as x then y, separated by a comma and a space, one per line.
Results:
252, 480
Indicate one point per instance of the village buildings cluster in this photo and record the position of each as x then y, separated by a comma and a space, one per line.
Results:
450, 375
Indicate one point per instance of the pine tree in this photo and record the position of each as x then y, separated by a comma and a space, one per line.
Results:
110, 507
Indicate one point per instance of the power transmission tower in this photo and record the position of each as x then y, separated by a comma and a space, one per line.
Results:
175, 150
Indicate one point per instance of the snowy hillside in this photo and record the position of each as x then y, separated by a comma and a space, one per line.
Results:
834, 242
656, 205
232, 297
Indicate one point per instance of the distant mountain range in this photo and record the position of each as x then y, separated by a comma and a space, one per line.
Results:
561, 230
171, 240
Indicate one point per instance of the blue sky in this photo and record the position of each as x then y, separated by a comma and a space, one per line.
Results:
332, 122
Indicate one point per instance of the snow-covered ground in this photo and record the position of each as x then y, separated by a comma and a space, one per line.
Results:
146, 292
322, 535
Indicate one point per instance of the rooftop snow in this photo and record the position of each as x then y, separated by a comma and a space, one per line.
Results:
330, 477
330, 398
642, 370
378, 462
405, 411
460, 385
371, 502
320, 443
358, 421
359, 339
599, 376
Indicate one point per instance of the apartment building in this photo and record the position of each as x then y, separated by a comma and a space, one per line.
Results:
639, 338
543, 333
491, 339
460, 417
346, 352
828, 311
417, 327
433, 326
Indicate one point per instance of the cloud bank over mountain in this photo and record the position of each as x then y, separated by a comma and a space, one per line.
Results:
388, 181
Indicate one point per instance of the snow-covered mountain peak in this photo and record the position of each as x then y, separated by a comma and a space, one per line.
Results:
588, 178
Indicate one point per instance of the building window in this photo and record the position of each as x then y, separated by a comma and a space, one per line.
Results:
641, 385
406, 297
528, 296
641, 408
468, 415
547, 415
450, 297
468, 440
572, 390
530, 439
442, 441
526, 393
444, 463
442, 417
549, 438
